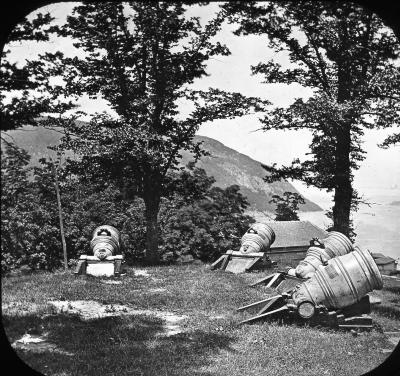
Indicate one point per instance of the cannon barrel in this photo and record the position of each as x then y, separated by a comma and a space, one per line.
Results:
342, 282
105, 241
336, 244
258, 238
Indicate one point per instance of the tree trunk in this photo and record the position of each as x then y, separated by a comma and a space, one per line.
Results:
343, 175
64, 244
343, 183
152, 204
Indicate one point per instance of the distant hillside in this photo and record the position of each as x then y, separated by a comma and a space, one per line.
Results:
231, 167
226, 165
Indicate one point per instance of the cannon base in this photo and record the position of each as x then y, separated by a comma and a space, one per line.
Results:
238, 262
282, 307
91, 265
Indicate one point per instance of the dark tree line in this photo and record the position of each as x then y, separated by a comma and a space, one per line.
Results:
199, 221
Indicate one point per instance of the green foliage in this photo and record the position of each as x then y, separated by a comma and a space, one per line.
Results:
346, 55
197, 219
392, 139
25, 90
30, 234
287, 206
201, 220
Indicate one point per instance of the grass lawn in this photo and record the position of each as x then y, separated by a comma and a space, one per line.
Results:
211, 342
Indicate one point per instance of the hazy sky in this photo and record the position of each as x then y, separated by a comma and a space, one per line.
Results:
381, 169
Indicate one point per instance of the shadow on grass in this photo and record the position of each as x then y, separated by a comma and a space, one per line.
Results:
127, 345
388, 311
395, 289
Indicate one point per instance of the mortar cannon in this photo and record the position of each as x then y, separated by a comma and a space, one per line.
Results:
336, 293
105, 241
254, 244
105, 244
319, 253
336, 244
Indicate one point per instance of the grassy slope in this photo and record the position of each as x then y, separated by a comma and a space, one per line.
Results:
212, 345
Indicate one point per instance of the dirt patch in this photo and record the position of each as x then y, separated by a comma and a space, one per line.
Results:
90, 309
37, 344
110, 282
142, 273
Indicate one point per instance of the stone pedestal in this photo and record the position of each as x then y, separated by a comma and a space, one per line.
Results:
109, 267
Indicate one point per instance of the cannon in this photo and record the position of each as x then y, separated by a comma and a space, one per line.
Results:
319, 253
105, 244
336, 244
336, 294
253, 247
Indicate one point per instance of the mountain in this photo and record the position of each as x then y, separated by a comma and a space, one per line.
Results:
231, 167
226, 165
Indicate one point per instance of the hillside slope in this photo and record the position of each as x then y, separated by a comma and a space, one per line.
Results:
231, 167
226, 165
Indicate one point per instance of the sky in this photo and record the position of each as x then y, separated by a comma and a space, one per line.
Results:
379, 172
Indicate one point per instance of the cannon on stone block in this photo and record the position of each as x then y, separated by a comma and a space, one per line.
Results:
320, 251
254, 244
335, 295
105, 244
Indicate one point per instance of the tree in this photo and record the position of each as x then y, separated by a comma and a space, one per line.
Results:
25, 90
30, 235
346, 55
287, 206
202, 220
390, 140
142, 59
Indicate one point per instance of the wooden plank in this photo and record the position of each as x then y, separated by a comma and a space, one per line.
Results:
80, 267
274, 280
350, 326
260, 302
259, 317
264, 280
237, 265
340, 319
358, 320
252, 263
253, 254
216, 263
225, 261
269, 305
117, 267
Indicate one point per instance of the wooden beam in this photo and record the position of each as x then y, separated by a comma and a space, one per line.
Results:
225, 261
269, 304
252, 263
259, 317
274, 279
260, 302
264, 280
216, 263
